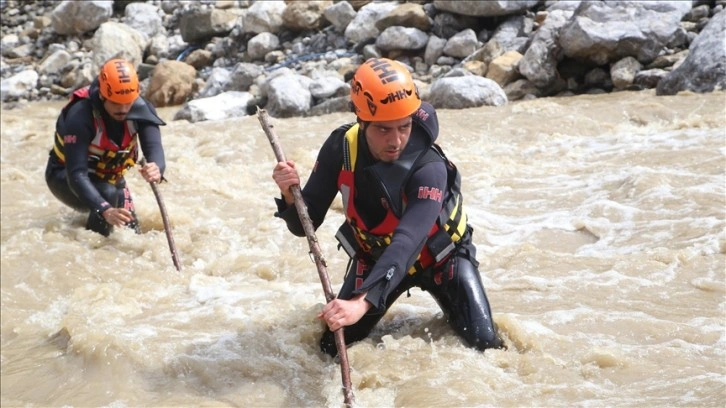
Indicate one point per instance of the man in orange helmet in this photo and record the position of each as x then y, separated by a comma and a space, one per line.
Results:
96, 142
405, 223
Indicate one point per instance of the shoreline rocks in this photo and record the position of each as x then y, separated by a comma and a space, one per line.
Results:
221, 59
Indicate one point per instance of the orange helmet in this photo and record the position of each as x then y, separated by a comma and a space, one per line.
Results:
118, 81
382, 89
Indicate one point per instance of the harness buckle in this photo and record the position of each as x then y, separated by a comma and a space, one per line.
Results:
440, 245
347, 241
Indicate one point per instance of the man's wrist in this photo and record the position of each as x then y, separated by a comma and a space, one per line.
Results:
104, 206
362, 298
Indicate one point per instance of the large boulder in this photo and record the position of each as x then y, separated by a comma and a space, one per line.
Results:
603, 32
467, 91
200, 25
73, 17
232, 104
704, 70
489, 8
117, 40
171, 83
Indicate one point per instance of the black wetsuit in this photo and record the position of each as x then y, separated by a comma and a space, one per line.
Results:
74, 183
455, 285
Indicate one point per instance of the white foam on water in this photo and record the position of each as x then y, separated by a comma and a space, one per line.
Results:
600, 233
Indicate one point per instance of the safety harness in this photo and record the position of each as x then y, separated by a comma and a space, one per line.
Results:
106, 160
366, 242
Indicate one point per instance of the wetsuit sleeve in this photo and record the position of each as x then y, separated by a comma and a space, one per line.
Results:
409, 236
150, 141
320, 189
78, 132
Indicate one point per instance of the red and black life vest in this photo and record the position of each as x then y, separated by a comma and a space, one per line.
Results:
359, 239
107, 160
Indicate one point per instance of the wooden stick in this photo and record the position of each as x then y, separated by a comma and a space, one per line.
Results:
307, 224
165, 219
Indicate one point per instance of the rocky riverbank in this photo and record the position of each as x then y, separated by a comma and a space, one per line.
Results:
220, 59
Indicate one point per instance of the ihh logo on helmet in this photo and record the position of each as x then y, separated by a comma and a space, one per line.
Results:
124, 77
123, 73
385, 73
125, 91
397, 96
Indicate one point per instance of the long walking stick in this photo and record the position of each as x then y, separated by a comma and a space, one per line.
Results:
302, 211
165, 219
